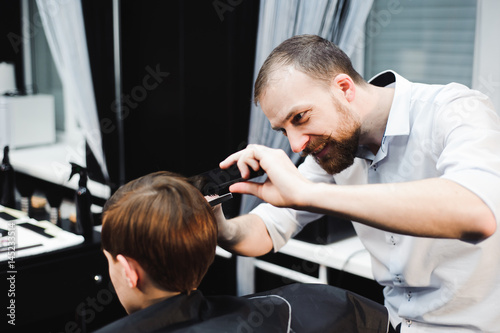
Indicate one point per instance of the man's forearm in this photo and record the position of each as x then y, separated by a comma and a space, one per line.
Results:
428, 208
245, 235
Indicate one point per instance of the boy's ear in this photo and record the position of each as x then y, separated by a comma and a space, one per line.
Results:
131, 269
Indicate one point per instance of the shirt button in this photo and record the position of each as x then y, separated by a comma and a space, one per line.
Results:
409, 296
408, 322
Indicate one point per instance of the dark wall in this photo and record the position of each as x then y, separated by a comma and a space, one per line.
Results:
11, 49
187, 71
194, 110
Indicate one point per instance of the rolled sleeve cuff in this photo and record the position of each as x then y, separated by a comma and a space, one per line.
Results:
484, 184
279, 228
283, 223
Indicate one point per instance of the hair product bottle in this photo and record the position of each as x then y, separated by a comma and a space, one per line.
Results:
83, 202
8, 195
54, 197
26, 186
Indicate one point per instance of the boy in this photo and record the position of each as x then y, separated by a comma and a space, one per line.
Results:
159, 235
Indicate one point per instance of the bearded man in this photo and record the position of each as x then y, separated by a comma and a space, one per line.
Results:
416, 167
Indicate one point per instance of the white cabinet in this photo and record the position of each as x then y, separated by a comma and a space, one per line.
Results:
27, 120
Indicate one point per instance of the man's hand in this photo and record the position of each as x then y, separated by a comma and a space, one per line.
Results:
284, 186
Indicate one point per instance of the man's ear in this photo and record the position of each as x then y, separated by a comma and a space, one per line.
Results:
131, 269
346, 86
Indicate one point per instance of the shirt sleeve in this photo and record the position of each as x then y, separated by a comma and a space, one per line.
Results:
284, 223
469, 134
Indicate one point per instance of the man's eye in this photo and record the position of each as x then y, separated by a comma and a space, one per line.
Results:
299, 117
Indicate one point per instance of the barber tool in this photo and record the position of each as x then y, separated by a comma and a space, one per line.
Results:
83, 200
7, 217
215, 200
217, 181
35, 228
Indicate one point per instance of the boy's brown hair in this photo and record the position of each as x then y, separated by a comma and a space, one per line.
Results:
165, 224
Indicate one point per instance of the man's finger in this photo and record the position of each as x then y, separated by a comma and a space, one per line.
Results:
245, 188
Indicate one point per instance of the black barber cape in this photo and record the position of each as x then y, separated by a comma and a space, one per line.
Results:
294, 308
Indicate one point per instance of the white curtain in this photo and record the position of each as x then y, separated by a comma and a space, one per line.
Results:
340, 21
65, 31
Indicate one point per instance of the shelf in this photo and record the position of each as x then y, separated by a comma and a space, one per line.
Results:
51, 163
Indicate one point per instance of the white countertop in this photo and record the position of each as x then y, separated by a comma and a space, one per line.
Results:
23, 242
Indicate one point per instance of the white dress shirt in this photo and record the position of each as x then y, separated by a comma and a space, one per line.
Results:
431, 285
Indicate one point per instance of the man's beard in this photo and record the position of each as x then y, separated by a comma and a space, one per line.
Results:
340, 152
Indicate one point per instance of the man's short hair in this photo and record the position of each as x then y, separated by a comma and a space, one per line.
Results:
165, 224
310, 54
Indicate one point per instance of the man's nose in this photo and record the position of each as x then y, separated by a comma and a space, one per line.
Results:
298, 142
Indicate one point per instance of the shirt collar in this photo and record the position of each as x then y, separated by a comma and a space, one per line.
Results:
398, 122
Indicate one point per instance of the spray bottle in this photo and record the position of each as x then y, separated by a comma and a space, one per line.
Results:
83, 202
8, 194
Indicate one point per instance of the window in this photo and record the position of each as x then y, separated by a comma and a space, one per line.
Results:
44, 76
429, 41
49, 162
